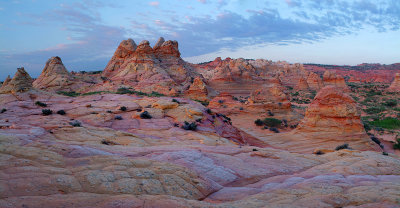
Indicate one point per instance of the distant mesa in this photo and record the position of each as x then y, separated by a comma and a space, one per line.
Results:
21, 82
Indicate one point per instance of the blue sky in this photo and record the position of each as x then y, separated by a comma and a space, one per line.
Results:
86, 33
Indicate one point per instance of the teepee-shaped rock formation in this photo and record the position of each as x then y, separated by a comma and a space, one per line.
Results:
54, 76
395, 86
333, 116
21, 82
198, 90
331, 78
302, 84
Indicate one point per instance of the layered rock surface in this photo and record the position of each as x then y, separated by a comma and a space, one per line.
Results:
148, 69
21, 82
331, 78
334, 113
54, 76
395, 86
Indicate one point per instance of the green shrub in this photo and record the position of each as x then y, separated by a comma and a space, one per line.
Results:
343, 146
205, 103
3, 110
189, 126
176, 101
397, 144
38, 103
75, 123
296, 94
123, 108
61, 112
145, 115
374, 110
272, 122
387, 123
69, 94
391, 103
259, 122
47, 112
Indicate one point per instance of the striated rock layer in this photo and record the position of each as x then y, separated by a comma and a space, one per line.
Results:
54, 76
395, 86
148, 69
331, 78
21, 82
333, 116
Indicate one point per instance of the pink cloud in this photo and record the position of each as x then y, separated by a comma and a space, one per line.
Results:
202, 1
154, 3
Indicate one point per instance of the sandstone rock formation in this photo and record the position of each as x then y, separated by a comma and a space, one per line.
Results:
302, 84
147, 69
331, 78
198, 90
395, 86
21, 82
334, 113
270, 96
54, 76
314, 81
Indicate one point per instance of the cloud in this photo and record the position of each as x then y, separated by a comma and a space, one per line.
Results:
154, 3
93, 43
202, 1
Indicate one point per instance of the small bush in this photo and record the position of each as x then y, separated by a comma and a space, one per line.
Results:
204, 103
397, 144
175, 100
274, 129
69, 94
209, 111
385, 153
47, 112
198, 120
258, 122
220, 101
343, 146
61, 112
295, 94
241, 108
75, 123
270, 113
273, 122
189, 126
108, 142
3, 110
109, 111
118, 118
123, 108
38, 103
145, 115
374, 110
319, 152
391, 103
376, 140
254, 150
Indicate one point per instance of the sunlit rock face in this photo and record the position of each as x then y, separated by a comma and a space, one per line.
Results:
331, 78
54, 76
21, 82
334, 115
395, 86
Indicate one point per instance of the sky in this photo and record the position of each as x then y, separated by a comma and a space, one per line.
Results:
86, 33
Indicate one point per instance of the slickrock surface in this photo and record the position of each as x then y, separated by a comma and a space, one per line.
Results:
334, 114
21, 82
314, 81
137, 162
395, 86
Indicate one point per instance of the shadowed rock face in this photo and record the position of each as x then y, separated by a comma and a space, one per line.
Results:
21, 82
395, 86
